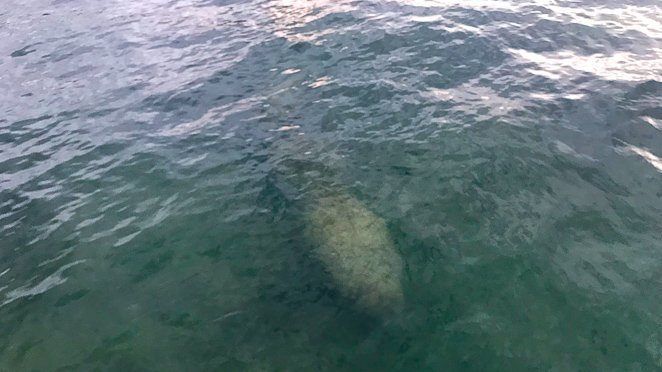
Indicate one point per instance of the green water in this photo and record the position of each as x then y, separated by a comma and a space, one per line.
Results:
160, 163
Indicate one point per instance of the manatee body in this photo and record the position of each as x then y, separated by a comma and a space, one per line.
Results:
357, 250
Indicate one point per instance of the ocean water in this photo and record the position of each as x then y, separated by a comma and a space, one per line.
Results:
159, 161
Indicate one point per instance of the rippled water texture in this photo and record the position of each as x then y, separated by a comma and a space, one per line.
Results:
161, 163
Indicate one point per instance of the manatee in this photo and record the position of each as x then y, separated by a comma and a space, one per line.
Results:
352, 243
355, 247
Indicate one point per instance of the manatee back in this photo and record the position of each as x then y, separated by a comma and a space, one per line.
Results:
356, 248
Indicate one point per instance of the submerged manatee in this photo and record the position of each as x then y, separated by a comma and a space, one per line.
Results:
356, 248
351, 242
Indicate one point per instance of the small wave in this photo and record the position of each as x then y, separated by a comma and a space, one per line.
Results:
50, 282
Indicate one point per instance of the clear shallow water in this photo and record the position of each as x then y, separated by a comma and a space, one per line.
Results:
157, 161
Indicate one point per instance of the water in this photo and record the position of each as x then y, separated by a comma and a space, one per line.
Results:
159, 161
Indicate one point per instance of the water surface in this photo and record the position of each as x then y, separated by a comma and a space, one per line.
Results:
158, 160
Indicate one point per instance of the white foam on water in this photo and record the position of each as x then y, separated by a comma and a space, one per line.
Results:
50, 282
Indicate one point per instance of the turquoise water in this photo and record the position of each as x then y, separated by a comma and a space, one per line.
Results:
162, 162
